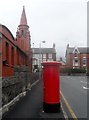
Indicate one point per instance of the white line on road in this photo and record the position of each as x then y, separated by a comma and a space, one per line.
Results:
84, 82
65, 115
85, 87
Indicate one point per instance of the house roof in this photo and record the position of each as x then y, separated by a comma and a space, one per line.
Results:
43, 50
82, 50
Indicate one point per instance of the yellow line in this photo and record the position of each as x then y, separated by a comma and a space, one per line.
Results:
69, 107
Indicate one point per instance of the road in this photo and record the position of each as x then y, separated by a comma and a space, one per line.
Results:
75, 88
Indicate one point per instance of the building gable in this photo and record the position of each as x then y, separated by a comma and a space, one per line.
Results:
76, 50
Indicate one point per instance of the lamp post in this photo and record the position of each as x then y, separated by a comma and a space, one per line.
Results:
33, 58
40, 58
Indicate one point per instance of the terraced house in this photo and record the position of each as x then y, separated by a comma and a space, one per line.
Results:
43, 54
77, 57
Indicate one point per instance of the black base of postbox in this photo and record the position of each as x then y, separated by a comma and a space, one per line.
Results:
51, 108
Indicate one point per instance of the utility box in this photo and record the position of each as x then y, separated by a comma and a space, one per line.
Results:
51, 87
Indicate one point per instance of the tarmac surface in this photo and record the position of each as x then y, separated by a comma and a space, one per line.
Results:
75, 89
31, 106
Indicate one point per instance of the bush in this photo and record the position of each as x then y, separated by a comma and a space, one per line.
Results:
71, 70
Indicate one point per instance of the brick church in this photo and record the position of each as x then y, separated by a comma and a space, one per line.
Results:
15, 51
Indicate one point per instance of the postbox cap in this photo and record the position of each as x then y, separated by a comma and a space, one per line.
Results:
50, 63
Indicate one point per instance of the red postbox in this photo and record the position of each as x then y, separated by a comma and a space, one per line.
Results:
51, 87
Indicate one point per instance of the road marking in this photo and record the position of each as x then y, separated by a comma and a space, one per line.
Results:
65, 115
69, 107
84, 82
85, 87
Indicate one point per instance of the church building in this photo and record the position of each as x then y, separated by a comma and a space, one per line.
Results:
15, 51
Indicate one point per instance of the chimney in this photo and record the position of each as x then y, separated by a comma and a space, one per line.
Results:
60, 58
54, 45
67, 46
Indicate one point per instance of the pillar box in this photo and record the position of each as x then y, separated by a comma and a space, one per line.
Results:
51, 87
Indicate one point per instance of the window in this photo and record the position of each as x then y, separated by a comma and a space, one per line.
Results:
44, 56
84, 61
75, 55
36, 55
76, 61
17, 57
50, 55
22, 59
25, 61
76, 51
44, 60
7, 53
40, 56
22, 32
12, 56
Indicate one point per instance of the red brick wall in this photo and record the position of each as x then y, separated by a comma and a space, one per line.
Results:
88, 63
13, 55
69, 60
0, 55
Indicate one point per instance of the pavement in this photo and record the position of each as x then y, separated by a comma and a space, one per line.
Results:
31, 106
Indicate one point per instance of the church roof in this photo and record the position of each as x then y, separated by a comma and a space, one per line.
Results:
23, 20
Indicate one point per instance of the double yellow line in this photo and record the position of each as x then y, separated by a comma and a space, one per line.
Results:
68, 107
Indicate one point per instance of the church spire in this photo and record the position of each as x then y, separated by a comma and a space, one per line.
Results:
23, 28
23, 33
23, 20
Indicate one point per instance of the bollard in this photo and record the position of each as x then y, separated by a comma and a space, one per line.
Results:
51, 87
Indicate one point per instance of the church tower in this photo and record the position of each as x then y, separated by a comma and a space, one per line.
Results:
23, 34
23, 39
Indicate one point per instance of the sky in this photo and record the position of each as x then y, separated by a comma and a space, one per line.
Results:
55, 21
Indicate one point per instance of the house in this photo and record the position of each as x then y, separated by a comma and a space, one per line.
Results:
77, 57
43, 54
15, 51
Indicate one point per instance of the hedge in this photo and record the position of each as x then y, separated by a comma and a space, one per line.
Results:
71, 70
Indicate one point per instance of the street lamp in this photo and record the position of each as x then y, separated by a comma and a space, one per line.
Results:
40, 58
40, 52
33, 57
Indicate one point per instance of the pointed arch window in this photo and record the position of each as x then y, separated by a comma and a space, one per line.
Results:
76, 53
22, 32
7, 53
12, 56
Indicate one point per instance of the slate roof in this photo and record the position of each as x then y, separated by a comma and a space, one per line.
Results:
82, 50
43, 50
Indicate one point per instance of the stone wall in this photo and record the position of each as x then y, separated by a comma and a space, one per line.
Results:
13, 86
